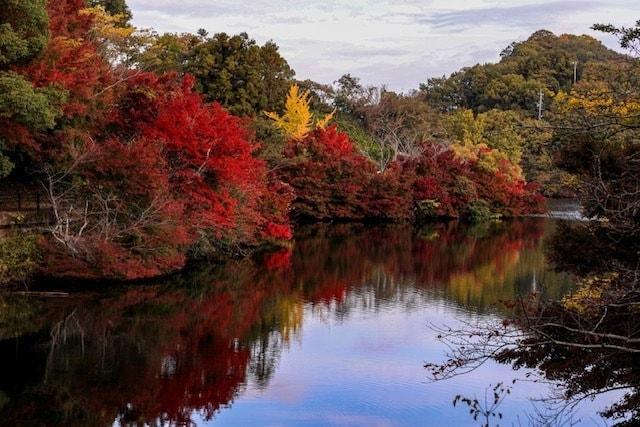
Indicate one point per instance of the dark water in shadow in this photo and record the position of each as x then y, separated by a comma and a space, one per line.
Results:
332, 332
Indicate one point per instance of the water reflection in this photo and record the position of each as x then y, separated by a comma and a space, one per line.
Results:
180, 351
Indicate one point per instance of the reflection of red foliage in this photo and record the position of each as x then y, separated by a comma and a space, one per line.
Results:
329, 270
278, 260
206, 367
193, 362
330, 291
153, 353
205, 381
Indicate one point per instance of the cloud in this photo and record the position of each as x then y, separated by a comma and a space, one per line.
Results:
266, 9
399, 42
511, 16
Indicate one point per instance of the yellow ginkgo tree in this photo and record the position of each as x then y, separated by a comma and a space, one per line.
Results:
297, 120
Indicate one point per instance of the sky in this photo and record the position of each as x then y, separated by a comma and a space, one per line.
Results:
399, 43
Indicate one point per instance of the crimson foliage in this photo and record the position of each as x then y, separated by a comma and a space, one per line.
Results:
448, 186
140, 167
332, 180
225, 190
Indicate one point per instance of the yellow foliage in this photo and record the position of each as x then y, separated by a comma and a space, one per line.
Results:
496, 160
597, 101
486, 281
488, 159
110, 31
324, 122
471, 144
297, 120
570, 181
466, 151
467, 129
107, 25
589, 294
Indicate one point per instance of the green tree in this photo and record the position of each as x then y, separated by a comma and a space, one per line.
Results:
500, 130
23, 34
23, 30
163, 53
503, 130
234, 70
350, 96
243, 76
21, 102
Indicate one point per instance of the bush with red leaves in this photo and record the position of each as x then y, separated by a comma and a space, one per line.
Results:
143, 170
332, 180
446, 185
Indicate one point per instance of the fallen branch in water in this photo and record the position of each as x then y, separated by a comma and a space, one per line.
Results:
41, 294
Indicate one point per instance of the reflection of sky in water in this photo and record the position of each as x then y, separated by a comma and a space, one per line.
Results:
368, 371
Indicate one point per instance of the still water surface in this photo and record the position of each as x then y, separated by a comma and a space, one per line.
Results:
334, 331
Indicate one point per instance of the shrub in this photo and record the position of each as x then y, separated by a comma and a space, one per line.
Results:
426, 209
332, 180
19, 257
479, 210
449, 185
179, 178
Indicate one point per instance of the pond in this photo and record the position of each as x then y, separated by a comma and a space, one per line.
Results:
333, 331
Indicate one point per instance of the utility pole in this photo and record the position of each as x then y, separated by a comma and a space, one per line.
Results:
540, 105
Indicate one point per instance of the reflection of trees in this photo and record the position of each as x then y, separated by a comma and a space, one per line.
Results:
475, 267
158, 353
142, 355
265, 352
587, 344
280, 321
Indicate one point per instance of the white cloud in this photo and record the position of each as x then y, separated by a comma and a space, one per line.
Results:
401, 43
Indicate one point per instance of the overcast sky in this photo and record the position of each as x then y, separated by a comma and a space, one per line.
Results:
396, 42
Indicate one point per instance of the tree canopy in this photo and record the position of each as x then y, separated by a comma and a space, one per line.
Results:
234, 70
23, 30
544, 62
